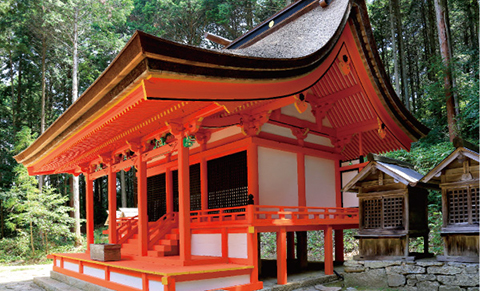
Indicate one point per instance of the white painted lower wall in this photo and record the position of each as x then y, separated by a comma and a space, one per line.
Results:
215, 283
126, 280
277, 181
320, 182
71, 266
237, 245
207, 244
94, 272
350, 199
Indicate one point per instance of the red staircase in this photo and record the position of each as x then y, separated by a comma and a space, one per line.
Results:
163, 237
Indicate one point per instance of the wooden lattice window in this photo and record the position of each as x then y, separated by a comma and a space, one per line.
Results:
156, 193
227, 181
475, 204
372, 210
195, 188
393, 212
457, 205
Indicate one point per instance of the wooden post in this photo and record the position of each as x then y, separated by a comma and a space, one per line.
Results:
169, 190
184, 201
252, 166
302, 253
253, 253
142, 205
89, 210
302, 199
339, 245
112, 205
328, 241
282, 256
204, 183
290, 245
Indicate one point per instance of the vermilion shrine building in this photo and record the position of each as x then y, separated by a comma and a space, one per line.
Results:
282, 113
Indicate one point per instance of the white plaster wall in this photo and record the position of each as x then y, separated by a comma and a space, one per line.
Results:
237, 245
71, 266
215, 283
155, 285
221, 134
126, 280
317, 139
350, 199
94, 272
320, 182
278, 130
207, 244
58, 261
277, 171
291, 110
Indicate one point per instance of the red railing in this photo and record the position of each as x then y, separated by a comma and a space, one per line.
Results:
126, 228
275, 215
161, 227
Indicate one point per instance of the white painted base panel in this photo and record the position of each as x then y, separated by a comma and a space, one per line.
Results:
126, 280
70, 266
215, 283
94, 272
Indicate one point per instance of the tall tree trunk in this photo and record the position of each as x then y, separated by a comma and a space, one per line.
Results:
44, 83
75, 184
122, 188
445, 52
394, 48
12, 77
2, 222
401, 51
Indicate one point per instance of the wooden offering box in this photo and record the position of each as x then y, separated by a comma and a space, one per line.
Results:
105, 252
458, 176
391, 209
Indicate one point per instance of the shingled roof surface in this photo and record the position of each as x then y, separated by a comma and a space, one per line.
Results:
304, 36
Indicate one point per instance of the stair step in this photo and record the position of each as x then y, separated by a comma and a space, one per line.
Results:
168, 242
156, 253
173, 236
174, 230
133, 241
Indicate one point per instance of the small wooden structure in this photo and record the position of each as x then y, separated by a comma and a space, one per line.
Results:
105, 252
458, 176
391, 209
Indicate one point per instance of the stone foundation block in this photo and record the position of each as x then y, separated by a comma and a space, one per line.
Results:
395, 280
381, 264
465, 280
428, 277
449, 288
406, 269
375, 278
427, 286
444, 270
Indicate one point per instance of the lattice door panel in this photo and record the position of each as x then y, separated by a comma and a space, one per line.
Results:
457, 205
372, 210
156, 193
227, 181
195, 188
393, 212
475, 204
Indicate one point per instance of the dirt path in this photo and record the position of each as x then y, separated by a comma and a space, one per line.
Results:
21, 277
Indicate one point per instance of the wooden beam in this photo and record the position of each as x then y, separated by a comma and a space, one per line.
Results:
217, 39
339, 257
328, 241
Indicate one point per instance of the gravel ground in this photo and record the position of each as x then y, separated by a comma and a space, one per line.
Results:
21, 277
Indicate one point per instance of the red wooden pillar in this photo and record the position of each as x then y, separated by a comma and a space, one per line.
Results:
89, 210
112, 206
302, 254
184, 201
282, 256
204, 183
169, 190
252, 166
328, 245
253, 253
142, 205
339, 245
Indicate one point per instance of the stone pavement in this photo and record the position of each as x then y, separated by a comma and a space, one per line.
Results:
21, 277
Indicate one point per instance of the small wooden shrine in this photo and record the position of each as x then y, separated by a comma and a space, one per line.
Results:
458, 177
391, 209
274, 114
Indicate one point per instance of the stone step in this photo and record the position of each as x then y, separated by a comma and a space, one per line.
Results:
60, 282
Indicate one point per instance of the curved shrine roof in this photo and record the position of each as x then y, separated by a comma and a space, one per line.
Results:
327, 54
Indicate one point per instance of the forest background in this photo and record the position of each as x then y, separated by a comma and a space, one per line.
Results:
51, 51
